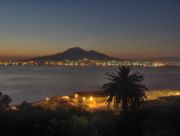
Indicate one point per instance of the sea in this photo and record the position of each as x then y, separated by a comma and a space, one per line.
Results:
33, 83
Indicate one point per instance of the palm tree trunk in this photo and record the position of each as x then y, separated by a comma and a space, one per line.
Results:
124, 105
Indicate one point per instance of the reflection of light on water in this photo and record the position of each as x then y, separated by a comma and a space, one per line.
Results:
155, 94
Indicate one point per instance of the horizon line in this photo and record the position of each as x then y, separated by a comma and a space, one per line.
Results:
20, 57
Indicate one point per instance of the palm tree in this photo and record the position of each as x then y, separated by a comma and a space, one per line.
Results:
125, 90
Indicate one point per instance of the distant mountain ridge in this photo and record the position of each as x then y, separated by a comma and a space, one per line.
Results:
75, 53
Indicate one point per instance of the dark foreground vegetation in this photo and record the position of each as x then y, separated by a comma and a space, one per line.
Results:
150, 121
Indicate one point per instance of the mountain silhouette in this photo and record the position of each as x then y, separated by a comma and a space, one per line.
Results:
75, 53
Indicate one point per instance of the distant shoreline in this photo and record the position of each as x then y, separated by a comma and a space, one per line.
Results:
152, 95
93, 62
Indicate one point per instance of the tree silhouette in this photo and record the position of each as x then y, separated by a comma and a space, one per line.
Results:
125, 90
5, 100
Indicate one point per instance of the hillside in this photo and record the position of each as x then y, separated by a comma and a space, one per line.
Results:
75, 54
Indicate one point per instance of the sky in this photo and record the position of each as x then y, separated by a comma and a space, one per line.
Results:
119, 28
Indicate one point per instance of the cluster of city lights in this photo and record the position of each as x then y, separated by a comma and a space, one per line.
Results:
88, 62
89, 99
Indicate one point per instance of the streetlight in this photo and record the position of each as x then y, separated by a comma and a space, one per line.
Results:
76, 96
91, 98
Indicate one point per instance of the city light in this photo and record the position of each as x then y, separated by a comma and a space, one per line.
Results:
47, 99
76, 96
84, 99
98, 63
65, 97
91, 98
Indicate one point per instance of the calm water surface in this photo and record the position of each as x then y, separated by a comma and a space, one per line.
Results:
38, 82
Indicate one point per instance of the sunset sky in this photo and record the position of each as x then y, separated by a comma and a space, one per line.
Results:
124, 29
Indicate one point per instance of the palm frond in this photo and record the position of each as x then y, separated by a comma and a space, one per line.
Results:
124, 87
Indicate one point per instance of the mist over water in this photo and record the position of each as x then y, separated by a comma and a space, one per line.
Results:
37, 82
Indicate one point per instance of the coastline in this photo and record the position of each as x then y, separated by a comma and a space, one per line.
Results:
93, 101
